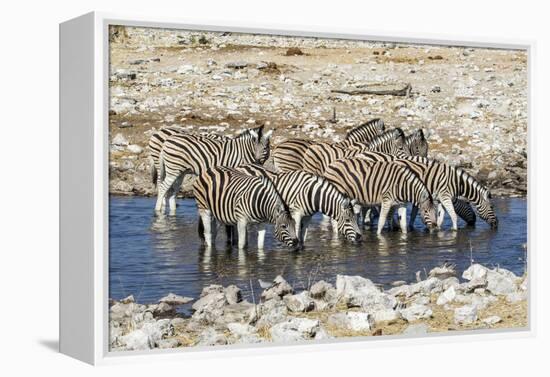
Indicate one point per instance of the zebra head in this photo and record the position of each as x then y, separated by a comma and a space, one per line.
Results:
346, 220
427, 208
399, 146
261, 152
485, 209
285, 227
417, 143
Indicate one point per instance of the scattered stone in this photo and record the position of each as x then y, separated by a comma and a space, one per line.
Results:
134, 148
354, 321
237, 65
173, 299
301, 302
128, 300
386, 315
465, 314
278, 289
447, 296
416, 312
295, 329
319, 289
492, 320
120, 140
443, 272
210, 337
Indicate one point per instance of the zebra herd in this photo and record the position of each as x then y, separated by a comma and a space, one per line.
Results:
373, 170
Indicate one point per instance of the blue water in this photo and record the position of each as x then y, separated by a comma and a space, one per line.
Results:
151, 256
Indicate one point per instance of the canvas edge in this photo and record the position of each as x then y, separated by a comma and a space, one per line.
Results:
101, 333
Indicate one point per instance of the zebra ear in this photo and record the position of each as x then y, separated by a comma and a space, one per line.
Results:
267, 135
254, 134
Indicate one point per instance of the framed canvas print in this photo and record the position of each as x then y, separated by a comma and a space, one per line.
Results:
234, 189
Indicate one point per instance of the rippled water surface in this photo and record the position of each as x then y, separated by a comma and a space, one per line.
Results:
151, 256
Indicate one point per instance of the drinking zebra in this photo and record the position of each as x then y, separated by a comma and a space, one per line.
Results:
384, 183
192, 154
462, 208
319, 156
446, 183
237, 199
306, 194
289, 155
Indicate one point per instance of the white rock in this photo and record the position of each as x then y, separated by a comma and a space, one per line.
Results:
492, 320
295, 329
386, 315
516, 296
119, 139
301, 302
134, 148
500, 283
416, 312
465, 314
173, 299
357, 291
447, 296
354, 321
475, 271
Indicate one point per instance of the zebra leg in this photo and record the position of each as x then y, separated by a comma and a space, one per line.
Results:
384, 210
440, 215
261, 236
305, 224
206, 218
414, 212
163, 189
243, 234
448, 205
402, 215
173, 193
297, 217
334, 224
230, 234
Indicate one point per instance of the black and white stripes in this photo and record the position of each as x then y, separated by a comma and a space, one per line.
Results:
236, 198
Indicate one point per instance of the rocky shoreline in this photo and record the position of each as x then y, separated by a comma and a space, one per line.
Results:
353, 306
472, 102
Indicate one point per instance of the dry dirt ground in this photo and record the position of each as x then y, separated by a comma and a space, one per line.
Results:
472, 102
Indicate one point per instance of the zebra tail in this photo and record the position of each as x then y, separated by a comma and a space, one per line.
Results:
154, 175
161, 168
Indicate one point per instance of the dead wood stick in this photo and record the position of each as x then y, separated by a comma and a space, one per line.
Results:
395, 92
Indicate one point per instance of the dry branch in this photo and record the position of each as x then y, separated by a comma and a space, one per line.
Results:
406, 91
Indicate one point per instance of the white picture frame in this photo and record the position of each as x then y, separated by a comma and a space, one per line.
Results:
84, 75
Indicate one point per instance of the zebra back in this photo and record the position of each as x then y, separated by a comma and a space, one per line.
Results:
289, 154
366, 131
182, 154
371, 183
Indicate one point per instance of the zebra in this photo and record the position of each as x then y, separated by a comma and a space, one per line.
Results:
238, 199
461, 207
446, 183
417, 144
319, 156
305, 194
191, 154
385, 183
289, 155
157, 139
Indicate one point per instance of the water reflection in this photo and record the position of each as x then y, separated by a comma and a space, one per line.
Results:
151, 256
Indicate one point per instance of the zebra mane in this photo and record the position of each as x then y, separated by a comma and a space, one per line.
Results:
386, 136
357, 131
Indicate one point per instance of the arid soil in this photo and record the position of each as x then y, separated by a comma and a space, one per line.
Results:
472, 102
